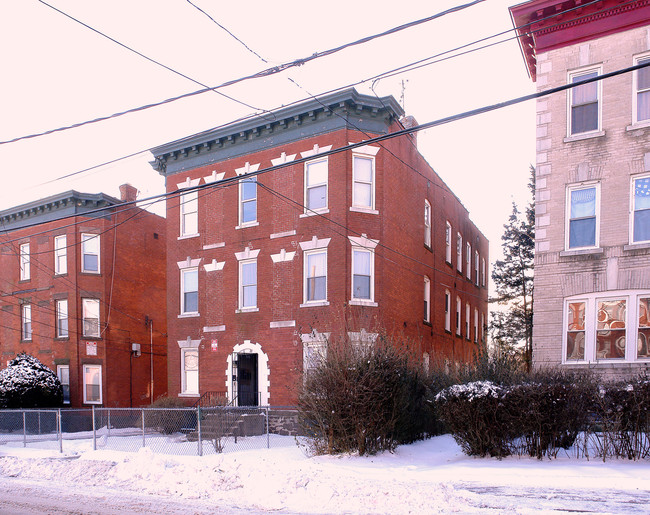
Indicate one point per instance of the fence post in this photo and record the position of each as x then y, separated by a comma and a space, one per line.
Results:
143, 440
268, 438
24, 431
59, 428
109, 422
198, 427
94, 431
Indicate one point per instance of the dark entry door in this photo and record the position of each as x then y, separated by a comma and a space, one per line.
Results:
247, 380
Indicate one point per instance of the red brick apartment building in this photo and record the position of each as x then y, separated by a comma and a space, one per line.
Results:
82, 288
264, 269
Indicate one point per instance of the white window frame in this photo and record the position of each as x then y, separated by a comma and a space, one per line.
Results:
468, 260
26, 332
459, 252
63, 373
185, 383
591, 301
575, 74
355, 180
636, 92
448, 233
87, 369
483, 327
447, 311
427, 300
483, 272
371, 253
86, 304
567, 210
183, 291
24, 262
459, 316
243, 201
61, 308
314, 352
427, 223
467, 322
633, 206
306, 277
189, 214
476, 260
323, 209
61, 255
475, 325
88, 239
242, 286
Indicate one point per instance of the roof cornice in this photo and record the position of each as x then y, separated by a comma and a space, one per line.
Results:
284, 125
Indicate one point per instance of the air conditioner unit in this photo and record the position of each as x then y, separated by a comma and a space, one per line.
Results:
135, 349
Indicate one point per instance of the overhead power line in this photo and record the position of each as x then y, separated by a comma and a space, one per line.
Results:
263, 73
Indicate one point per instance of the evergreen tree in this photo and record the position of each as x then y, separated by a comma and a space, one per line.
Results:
512, 326
27, 383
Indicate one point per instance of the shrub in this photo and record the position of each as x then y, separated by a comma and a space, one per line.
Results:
168, 417
27, 383
364, 398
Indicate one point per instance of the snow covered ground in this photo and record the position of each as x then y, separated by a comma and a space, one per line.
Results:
432, 476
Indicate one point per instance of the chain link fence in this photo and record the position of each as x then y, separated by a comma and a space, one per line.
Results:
181, 431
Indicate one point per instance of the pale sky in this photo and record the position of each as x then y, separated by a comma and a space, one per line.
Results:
56, 72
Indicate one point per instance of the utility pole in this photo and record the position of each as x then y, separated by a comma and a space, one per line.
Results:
148, 322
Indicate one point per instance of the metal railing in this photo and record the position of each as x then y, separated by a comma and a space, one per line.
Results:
187, 431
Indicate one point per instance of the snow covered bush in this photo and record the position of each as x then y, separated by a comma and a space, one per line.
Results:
364, 398
27, 383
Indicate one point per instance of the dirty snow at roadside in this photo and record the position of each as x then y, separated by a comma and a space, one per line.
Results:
431, 476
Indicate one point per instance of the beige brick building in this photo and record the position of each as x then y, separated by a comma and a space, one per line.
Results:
592, 250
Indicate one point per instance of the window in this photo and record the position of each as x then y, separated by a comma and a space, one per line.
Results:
248, 284
475, 325
363, 182
642, 91
448, 243
60, 255
62, 318
614, 327
63, 373
476, 267
189, 291
247, 201
427, 223
362, 274
583, 205
190, 371
315, 285
90, 253
427, 299
447, 311
316, 185
467, 320
459, 307
313, 354
468, 260
26, 322
483, 327
92, 384
24, 262
459, 252
90, 317
189, 213
483, 271
584, 112
641, 209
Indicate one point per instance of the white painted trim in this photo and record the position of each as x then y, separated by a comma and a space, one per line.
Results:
214, 245
189, 263
363, 241
215, 177
315, 151
282, 234
247, 254
188, 183
284, 158
214, 329
188, 343
370, 150
247, 168
214, 266
283, 256
315, 243
283, 323
263, 371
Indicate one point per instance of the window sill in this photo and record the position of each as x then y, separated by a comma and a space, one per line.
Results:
196, 395
248, 224
581, 252
315, 212
96, 403
315, 304
246, 310
64, 274
427, 323
189, 315
90, 272
62, 339
448, 263
91, 338
638, 125
636, 246
359, 302
188, 236
428, 247
584, 136
447, 331
359, 209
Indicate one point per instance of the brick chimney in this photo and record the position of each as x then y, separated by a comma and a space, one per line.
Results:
128, 193
408, 122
